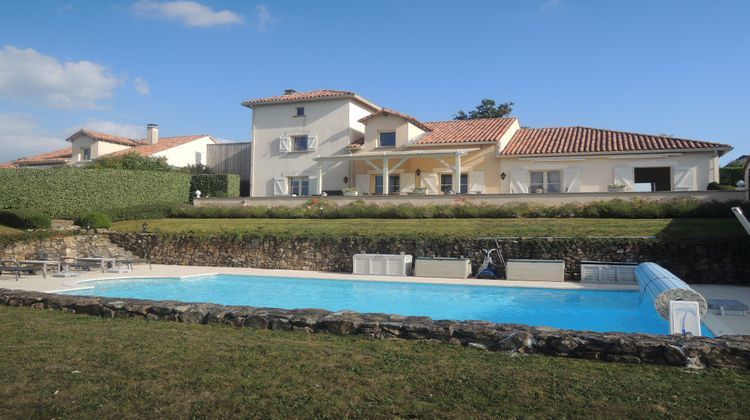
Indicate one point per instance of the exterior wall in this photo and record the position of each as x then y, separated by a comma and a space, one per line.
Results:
597, 172
184, 155
98, 148
232, 158
381, 123
330, 120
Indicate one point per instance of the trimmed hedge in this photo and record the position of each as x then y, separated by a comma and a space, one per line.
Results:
730, 175
24, 219
67, 192
94, 221
215, 185
616, 208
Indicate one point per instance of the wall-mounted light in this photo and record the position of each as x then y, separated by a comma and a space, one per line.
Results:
419, 172
502, 175
346, 180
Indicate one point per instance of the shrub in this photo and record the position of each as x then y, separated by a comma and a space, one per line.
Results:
215, 185
131, 161
94, 221
25, 219
68, 192
730, 175
143, 211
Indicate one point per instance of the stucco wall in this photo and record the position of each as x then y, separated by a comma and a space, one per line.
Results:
184, 155
98, 148
330, 120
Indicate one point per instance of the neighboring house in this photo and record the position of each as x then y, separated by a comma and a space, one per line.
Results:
88, 145
305, 143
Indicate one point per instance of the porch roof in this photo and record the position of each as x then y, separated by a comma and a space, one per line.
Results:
399, 154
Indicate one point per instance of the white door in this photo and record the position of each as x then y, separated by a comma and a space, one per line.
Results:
684, 178
519, 181
572, 180
312, 142
280, 186
430, 182
285, 144
408, 182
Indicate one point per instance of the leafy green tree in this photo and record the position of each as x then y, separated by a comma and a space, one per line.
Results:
131, 161
486, 109
197, 169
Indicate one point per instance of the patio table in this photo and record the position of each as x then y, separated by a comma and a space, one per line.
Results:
103, 261
43, 263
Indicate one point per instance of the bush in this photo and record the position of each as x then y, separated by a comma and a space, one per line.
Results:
143, 211
730, 175
94, 221
25, 219
132, 161
215, 185
68, 192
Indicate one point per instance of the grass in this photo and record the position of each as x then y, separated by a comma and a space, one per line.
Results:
662, 228
58, 365
7, 231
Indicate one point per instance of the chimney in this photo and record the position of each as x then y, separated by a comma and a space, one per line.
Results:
152, 133
289, 91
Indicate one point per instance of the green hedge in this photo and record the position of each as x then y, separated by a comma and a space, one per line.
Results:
24, 219
730, 175
94, 221
616, 208
68, 192
215, 185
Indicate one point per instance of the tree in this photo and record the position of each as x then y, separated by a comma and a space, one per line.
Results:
486, 109
197, 169
131, 161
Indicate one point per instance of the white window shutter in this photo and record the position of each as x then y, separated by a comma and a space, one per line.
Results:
476, 182
572, 180
625, 175
280, 186
519, 181
408, 182
363, 183
312, 142
430, 182
285, 144
684, 178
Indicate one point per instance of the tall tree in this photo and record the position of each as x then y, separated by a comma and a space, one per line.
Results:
486, 109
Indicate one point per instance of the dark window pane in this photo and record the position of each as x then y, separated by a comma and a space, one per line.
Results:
379, 184
300, 143
388, 139
446, 182
300, 111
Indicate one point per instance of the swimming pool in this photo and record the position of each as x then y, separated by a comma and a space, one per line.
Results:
602, 311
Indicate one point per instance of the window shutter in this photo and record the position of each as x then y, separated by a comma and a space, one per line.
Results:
363, 183
430, 182
408, 182
285, 144
684, 178
572, 179
312, 142
280, 186
476, 182
519, 181
624, 175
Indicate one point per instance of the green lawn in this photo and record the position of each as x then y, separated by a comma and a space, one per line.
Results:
6, 231
663, 228
59, 365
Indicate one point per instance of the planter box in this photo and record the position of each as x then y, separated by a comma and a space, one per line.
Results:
382, 264
449, 268
536, 270
350, 193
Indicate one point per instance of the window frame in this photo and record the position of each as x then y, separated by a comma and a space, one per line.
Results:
380, 139
300, 183
545, 181
297, 111
294, 143
463, 186
84, 152
393, 180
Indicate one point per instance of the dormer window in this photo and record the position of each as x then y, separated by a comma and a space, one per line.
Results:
300, 111
387, 139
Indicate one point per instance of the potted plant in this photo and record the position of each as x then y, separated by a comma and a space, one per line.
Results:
351, 191
615, 188
419, 191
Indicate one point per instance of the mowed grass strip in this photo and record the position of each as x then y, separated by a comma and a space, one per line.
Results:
661, 228
8, 231
59, 365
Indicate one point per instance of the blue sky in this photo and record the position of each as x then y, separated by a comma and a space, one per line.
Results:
661, 67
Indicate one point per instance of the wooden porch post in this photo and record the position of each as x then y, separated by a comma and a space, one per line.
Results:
457, 174
319, 186
385, 176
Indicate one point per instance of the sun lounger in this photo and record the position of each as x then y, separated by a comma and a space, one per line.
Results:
13, 266
126, 263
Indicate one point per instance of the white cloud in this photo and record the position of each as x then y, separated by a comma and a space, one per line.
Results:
130, 131
189, 13
26, 74
141, 86
21, 136
264, 18
551, 5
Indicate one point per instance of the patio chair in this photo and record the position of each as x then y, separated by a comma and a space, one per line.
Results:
12, 266
127, 262
73, 263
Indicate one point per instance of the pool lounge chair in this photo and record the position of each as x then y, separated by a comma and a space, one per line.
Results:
13, 266
124, 262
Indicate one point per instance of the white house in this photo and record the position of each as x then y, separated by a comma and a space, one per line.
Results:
305, 143
88, 145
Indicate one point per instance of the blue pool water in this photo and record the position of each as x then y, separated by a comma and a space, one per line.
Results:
569, 309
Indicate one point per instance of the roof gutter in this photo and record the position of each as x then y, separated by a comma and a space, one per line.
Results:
721, 150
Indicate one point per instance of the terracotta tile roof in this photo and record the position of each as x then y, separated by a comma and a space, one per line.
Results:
57, 157
574, 140
465, 131
104, 137
163, 144
386, 111
308, 96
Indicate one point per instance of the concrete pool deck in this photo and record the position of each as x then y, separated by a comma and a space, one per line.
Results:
719, 324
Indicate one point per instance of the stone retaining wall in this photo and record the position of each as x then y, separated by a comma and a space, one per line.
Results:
691, 352
81, 245
719, 262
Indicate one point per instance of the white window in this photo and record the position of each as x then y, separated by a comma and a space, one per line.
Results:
299, 143
446, 183
394, 184
86, 153
299, 186
198, 158
545, 181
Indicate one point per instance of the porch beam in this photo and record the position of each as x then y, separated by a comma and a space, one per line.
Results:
369, 162
400, 162
445, 164
319, 186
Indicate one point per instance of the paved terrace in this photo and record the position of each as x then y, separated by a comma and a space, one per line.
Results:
719, 324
